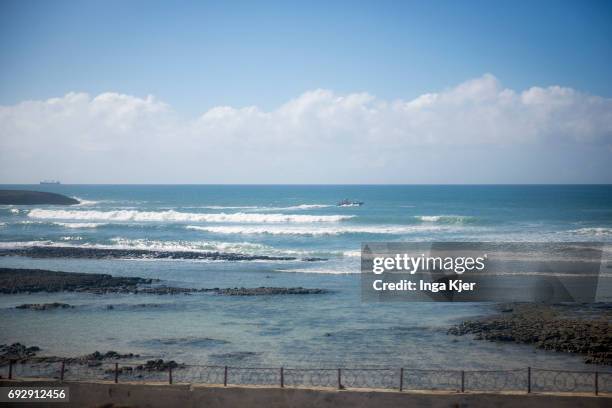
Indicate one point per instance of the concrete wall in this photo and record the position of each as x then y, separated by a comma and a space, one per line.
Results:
98, 394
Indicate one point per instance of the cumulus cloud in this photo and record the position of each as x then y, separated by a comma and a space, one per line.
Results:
121, 138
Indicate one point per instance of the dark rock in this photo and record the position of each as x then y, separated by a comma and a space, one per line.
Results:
159, 365
44, 306
25, 197
36, 280
269, 291
564, 328
236, 355
106, 253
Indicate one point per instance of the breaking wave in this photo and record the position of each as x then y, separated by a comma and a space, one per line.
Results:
326, 271
265, 208
79, 224
296, 230
27, 244
83, 202
62, 224
120, 243
447, 219
9, 210
595, 231
177, 246
228, 207
304, 207
175, 216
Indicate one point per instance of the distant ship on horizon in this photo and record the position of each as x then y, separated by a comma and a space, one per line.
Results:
50, 182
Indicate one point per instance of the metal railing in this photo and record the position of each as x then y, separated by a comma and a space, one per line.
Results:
529, 380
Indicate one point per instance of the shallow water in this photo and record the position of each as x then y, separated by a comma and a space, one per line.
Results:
328, 330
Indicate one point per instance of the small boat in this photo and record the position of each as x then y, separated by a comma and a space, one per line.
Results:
349, 203
50, 182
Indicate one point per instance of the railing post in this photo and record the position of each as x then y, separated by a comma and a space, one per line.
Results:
339, 378
528, 380
116, 373
62, 370
225, 377
462, 380
282, 378
401, 379
169, 375
10, 376
596, 382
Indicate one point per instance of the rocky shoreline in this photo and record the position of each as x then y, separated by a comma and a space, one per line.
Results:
111, 253
44, 306
40, 280
19, 353
581, 329
265, 290
14, 281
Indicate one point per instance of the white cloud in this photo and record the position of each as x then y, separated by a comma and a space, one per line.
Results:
117, 137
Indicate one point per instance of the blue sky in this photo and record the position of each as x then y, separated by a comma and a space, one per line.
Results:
306, 92
195, 55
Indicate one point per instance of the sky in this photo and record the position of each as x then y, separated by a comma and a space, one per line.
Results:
306, 92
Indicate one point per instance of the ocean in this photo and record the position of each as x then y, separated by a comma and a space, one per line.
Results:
335, 329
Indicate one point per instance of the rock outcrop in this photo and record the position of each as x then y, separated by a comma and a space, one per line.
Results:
25, 197
44, 306
563, 328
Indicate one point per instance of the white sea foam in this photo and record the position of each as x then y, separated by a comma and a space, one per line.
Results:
63, 224
266, 208
298, 230
12, 210
79, 224
305, 207
203, 246
318, 270
246, 248
175, 216
25, 244
228, 207
457, 219
83, 202
243, 247
596, 231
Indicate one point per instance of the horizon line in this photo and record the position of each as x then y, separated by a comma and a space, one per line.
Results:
309, 184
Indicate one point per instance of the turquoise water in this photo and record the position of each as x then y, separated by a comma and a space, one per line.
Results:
334, 329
